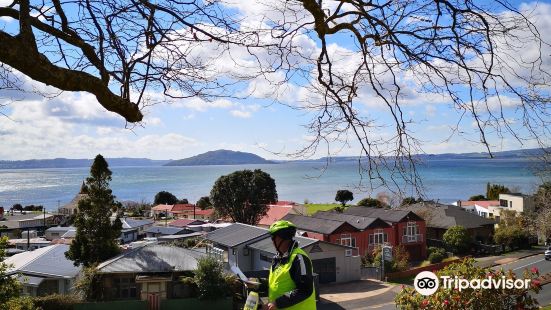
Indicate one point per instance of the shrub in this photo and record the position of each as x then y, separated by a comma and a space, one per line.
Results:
56, 302
472, 299
457, 239
436, 255
371, 202
190, 287
209, 278
512, 236
400, 259
19, 303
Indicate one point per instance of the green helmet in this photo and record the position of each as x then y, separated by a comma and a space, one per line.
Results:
283, 228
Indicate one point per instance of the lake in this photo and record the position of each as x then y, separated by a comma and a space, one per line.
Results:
443, 180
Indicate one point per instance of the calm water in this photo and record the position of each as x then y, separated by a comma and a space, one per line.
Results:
446, 180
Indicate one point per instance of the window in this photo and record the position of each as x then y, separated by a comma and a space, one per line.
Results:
510, 204
265, 258
125, 288
379, 237
503, 202
348, 240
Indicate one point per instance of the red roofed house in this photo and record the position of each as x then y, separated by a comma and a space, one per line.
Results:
485, 208
162, 210
207, 214
275, 213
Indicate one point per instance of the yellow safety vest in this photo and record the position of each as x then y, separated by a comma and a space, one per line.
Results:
280, 282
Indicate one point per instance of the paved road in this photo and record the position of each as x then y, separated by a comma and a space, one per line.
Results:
538, 261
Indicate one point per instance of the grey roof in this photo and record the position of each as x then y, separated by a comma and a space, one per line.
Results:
60, 229
236, 234
445, 216
320, 225
360, 222
48, 261
70, 234
152, 258
29, 280
267, 245
178, 237
165, 230
388, 215
128, 223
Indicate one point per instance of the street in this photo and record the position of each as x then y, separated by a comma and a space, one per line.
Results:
544, 296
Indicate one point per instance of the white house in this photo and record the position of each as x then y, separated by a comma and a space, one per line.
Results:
44, 271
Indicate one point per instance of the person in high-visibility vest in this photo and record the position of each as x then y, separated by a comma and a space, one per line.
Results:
290, 283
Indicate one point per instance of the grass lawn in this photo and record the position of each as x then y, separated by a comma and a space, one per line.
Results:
546, 307
315, 207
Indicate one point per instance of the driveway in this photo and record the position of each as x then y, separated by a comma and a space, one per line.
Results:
364, 294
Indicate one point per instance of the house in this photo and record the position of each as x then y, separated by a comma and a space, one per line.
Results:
517, 202
371, 232
140, 225
162, 210
56, 232
30, 244
206, 215
330, 261
251, 249
440, 217
157, 231
183, 210
274, 213
485, 208
44, 271
408, 228
185, 222
152, 269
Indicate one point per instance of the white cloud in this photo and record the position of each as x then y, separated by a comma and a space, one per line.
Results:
241, 113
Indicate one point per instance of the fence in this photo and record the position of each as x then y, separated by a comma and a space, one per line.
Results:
371, 273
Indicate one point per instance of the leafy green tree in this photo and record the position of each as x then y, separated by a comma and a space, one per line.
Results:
457, 239
204, 203
96, 237
343, 196
493, 191
372, 203
209, 278
244, 195
183, 201
17, 207
473, 299
477, 198
165, 198
9, 286
410, 200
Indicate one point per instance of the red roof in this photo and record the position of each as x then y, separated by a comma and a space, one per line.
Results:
185, 222
207, 212
182, 207
162, 208
275, 213
482, 203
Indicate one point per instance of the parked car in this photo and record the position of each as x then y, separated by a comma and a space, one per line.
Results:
548, 253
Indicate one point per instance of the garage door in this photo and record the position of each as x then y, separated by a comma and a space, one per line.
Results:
326, 268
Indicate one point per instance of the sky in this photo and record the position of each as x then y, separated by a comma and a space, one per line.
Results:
74, 125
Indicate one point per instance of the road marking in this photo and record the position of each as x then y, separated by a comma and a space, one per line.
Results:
541, 260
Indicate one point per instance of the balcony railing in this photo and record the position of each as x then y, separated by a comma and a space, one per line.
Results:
412, 238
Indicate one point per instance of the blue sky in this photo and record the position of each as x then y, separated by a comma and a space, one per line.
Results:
73, 125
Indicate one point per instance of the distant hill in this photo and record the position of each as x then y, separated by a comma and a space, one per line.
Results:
514, 154
220, 157
76, 163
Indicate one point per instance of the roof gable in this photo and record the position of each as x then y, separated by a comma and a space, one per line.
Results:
445, 216
359, 222
388, 215
319, 225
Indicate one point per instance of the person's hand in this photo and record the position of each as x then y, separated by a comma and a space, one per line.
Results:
270, 306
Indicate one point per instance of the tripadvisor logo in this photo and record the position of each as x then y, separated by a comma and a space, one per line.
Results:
426, 283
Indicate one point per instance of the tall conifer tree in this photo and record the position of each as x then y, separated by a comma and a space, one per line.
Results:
97, 234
